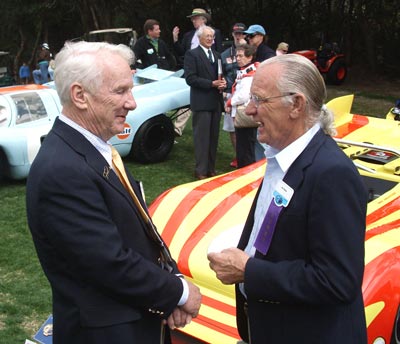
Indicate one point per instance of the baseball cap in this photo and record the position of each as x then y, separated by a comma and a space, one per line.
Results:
255, 29
239, 27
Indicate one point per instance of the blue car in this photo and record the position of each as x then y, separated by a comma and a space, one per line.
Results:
27, 114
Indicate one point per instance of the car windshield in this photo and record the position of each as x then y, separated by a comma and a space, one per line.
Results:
29, 106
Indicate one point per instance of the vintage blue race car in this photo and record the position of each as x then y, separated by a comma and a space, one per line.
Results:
27, 114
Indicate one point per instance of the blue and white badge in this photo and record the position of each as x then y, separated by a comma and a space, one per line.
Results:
282, 194
150, 51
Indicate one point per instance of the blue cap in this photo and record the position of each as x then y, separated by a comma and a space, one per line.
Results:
255, 29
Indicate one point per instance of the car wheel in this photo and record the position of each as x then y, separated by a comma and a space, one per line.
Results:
4, 168
154, 140
396, 329
337, 73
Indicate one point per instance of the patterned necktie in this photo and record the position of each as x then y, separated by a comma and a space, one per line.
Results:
118, 165
210, 57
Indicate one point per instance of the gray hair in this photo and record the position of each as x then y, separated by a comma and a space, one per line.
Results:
300, 75
203, 28
83, 62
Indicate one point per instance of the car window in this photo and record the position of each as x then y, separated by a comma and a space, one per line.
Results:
29, 106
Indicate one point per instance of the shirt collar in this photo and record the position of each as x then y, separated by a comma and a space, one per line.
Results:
289, 154
103, 147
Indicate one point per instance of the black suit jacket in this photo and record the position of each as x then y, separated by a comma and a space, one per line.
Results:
94, 248
307, 288
199, 75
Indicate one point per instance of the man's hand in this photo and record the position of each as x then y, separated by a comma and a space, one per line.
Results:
229, 265
219, 83
193, 303
178, 318
175, 34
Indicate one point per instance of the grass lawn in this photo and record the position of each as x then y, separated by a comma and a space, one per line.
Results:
25, 297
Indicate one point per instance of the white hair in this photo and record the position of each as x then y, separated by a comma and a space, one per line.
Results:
203, 28
83, 62
300, 75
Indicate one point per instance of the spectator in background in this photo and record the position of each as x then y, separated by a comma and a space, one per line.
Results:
282, 48
257, 36
229, 69
24, 73
52, 66
199, 17
41, 75
151, 49
245, 127
190, 40
206, 102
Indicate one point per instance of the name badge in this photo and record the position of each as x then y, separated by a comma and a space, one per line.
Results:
282, 194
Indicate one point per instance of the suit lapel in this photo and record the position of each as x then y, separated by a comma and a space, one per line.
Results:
295, 174
92, 156
206, 62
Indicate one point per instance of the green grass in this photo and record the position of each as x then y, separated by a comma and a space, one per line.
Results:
25, 297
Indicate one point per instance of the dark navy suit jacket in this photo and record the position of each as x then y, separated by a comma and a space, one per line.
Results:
199, 75
307, 288
94, 248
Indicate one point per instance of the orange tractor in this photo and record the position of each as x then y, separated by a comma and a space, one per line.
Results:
329, 61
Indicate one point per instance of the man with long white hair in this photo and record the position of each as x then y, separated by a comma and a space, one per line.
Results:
299, 264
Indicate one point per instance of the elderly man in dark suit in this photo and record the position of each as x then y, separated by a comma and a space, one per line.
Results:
112, 278
299, 265
206, 101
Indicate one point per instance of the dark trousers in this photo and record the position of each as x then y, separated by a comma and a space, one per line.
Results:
246, 139
205, 138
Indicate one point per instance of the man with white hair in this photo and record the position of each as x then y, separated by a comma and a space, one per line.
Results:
299, 264
112, 277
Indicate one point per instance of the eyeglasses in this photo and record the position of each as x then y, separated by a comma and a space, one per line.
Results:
258, 100
252, 35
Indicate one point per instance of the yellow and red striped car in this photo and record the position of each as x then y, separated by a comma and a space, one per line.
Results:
193, 216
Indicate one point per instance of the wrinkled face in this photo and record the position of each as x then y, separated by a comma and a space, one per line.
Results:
241, 59
108, 107
198, 21
207, 38
275, 127
154, 32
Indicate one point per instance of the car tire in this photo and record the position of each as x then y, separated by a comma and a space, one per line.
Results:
4, 167
396, 329
337, 72
154, 140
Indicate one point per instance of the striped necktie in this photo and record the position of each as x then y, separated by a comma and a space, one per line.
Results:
118, 165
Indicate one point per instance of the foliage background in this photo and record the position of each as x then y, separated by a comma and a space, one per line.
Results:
368, 31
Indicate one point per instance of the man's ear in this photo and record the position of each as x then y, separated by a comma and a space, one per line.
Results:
298, 106
78, 96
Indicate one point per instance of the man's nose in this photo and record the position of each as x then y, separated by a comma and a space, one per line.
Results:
131, 102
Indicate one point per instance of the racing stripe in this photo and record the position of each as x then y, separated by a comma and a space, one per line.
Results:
373, 310
357, 122
379, 244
